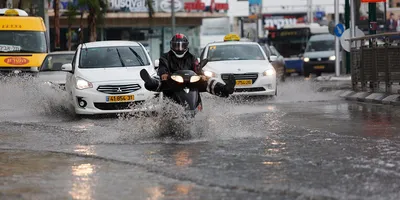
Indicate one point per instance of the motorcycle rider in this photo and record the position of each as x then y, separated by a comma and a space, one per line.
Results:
179, 58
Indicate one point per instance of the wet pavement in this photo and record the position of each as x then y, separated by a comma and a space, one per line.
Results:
300, 145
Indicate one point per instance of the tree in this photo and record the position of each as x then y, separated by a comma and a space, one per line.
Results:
56, 7
71, 13
96, 10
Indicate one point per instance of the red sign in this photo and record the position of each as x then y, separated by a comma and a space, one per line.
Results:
372, 1
198, 5
16, 60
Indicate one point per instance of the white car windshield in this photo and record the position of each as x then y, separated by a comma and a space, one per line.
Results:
108, 57
235, 52
322, 45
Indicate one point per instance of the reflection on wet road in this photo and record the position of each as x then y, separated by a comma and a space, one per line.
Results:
284, 148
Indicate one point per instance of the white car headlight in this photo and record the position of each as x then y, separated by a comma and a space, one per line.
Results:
177, 78
269, 72
82, 84
332, 58
306, 59
209, 74
194, 79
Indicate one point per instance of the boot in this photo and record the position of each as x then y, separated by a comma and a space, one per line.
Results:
150, 83
219, 89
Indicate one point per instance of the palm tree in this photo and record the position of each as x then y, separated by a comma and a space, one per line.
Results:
97, 10
71, 13
57, 23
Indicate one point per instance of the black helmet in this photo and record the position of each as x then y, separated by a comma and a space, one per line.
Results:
179, 45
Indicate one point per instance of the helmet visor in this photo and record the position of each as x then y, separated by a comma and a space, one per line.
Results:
179, 46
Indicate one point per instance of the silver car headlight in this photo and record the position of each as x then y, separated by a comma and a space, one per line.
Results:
306, 59
332, 58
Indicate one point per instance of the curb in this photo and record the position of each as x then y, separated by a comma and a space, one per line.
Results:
380, 98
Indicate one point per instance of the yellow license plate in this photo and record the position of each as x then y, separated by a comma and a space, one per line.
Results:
290, 70
244, 82
120, 98
319, 67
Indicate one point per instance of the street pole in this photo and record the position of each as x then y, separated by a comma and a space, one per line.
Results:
173, 17
347, 25
371, 16
311, 12
337, 45
352, 19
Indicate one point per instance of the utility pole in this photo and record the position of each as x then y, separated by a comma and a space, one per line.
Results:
259, 20
173, 17
337, 44
310, 11
347, 25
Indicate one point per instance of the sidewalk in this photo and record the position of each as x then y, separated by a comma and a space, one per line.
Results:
344, 89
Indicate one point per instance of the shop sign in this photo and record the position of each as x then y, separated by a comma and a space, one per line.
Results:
165, 5
276, 21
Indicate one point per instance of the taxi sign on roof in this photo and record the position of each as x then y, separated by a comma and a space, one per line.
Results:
12, 12
231, 37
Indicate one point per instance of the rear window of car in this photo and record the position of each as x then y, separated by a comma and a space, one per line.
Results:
235, 52
108, 57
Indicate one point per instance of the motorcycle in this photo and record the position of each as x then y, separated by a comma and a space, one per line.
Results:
183, 89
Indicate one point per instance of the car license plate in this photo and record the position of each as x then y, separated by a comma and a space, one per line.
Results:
290, 70
244, 82
120, 98
319, 67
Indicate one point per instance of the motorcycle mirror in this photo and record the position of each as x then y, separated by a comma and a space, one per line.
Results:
203, 63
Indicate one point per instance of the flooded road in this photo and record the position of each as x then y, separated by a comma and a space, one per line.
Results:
300, 145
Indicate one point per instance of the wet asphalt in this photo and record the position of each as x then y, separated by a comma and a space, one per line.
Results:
300, 145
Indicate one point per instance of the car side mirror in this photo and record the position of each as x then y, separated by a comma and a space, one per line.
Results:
67, 67
156, 64
273, 58
203, 63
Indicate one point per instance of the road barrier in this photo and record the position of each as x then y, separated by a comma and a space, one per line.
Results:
375, 62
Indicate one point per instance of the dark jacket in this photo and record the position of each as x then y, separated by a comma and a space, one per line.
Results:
169, 63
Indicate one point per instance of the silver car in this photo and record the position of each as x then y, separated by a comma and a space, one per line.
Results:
50, 70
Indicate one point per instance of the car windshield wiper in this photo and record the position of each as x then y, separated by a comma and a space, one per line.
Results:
137, 56
120, 58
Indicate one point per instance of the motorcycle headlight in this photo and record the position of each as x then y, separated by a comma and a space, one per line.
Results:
177, 78
194, 79
209, 74
83, 84
306, 59
332, 58
269, 72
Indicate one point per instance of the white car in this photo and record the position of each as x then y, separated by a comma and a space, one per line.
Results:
104, 77
254, 74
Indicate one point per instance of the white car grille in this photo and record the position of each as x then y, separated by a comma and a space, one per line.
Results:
252, 76
118, 89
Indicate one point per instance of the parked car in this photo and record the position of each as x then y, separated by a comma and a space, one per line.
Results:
50, 71
278, 61
104, 77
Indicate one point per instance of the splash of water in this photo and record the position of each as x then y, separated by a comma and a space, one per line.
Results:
29, 96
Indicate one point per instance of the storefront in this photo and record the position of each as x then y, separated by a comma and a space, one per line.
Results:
128, 20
